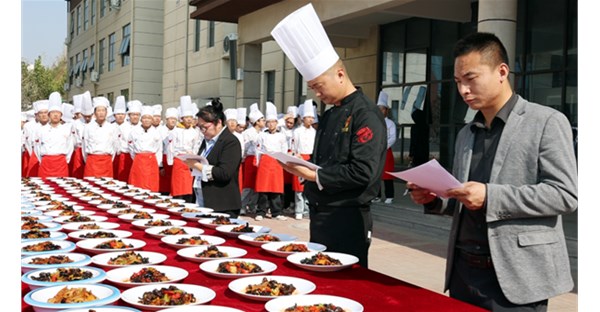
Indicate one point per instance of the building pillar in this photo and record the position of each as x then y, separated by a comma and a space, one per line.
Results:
500, 18
248, 84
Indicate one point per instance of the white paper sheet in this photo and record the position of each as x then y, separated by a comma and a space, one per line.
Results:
287, 158
201, 159
430, 175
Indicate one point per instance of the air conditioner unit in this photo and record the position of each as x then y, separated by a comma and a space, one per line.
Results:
79, 81
115, 4
94, 76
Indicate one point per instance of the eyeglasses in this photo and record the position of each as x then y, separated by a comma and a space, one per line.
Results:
205, 126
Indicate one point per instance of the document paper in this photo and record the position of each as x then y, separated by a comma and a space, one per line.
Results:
201, 159
430, 175
287, 158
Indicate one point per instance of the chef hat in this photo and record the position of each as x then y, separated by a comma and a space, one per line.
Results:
187, 107
67, 110
383, 99
241, 115
157, 108
40, 105
308, 110
172, 112
134, 106
281, 121
120, 106
271, 111
146, 110
23, 116
77, 100
110, 116
302, 38
292, 112
30, 115
230, 113
255, 113
100, 101
87, 107
55, 102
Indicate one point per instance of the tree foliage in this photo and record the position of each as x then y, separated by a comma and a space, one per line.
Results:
38, 81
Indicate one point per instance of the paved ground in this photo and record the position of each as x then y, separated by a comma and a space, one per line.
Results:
399, 253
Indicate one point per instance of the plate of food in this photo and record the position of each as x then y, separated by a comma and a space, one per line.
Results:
56, 298
265, 288
120, 211
201, 308
284, 249
154, 297
322, 261
104, 308
137, 275
148, 223
160, 231
215, 222
27, 226
147, 195
109, 200
118, 259
100, 245
33, 217
119, 204
237, 267
68, 212
202, 215
63, 276
85, 234
257, 239
236, 230
76, 226
182, 210
176, 205
80, 218
37, 235
163, 199
184, 241
46, 247
143, 216
210, 252
60, 206
54, 260
312, 302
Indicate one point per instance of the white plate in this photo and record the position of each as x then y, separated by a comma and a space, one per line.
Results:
76, 235
155, 230
273, 247
121, 276
46, 205
176, 205
282, 303
163, 199
102, 260
208, 222
201, 215
76, 226
64, 246
346, 260
227, 230
106, 308
57, 213
39, 217
191, 252
47, 226
120, 211
78, 259
302, 286
172, 240
47, 208
210, 267
98, 275
147, 223
130, 216
251, 238
200, 308
115, 199
38, 298
91, 243
132, 295
92, 218
54, 235
118, 205
182, 210
49, 202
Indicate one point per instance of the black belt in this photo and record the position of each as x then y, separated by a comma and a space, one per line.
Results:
476, 261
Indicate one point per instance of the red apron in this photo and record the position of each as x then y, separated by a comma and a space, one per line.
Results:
144, 172
98, 166
164, 182
24, 163
269, 176
77, 165
250, 172
122, 166
181, 178
54, 166
389, 165
240, 178
33, 166
296, 185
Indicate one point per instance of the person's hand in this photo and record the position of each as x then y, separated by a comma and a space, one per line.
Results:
471, 195
192, 163
300, 171
420, 195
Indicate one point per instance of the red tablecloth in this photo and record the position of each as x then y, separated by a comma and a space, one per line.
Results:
375, 291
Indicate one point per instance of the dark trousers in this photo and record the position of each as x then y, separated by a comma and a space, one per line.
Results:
479, 286
273, 200
388, 185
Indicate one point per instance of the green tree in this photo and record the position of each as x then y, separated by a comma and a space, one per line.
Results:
38, 81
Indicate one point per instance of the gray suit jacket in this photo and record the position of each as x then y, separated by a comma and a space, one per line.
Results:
532, 183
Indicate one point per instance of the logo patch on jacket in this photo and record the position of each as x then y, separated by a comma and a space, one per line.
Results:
364, 134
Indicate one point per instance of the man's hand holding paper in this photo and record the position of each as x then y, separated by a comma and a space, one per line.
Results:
429, 177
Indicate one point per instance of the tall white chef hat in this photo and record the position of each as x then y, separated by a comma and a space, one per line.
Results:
230, 113
77, 100
302, 38
255, 113
241, 115
55, 102
146, 110
87, 107
157, 109
40, 105
30, 115
271, 111
120, 105
101, 101
308, 110
134, 106
187, 107
67, 110
292, 112
382, 100
172, 112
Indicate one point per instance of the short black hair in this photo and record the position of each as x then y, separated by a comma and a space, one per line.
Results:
488, 45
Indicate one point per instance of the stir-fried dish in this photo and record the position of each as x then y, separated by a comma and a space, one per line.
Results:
148, 275
43, 246
113, 244
321, 259
128, 258
51, 260
318, 307
266, 238
212, 252
158, 222
244, 228
173, 231
270, 288
63, 275
170, 296
73, 295
98, 234
194, 240
34, 234
293, 247
238, 267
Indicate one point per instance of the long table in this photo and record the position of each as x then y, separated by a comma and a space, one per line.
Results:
375, 291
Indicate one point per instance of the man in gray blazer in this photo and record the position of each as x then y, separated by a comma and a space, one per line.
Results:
507, 249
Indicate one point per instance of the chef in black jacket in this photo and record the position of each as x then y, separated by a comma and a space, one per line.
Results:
350, 143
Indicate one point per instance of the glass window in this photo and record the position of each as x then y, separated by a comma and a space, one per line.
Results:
416, 66
101, 47
112, 39
545, 89
92, 12
124, 49
103, 5
545, 35
72, 25
270, 79
85, 14
197, 36
211, 34
125, 93
79, 20
92, 57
